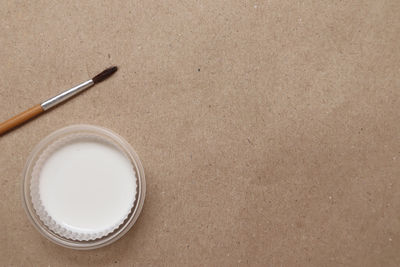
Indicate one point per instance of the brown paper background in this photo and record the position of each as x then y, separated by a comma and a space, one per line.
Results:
268, 130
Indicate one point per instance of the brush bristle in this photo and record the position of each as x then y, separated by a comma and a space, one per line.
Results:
104, 74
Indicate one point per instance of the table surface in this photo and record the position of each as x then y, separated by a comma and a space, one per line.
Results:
268, 130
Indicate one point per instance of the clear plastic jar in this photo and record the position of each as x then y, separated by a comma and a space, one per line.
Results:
109, 137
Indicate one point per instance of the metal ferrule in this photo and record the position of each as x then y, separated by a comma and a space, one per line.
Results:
66, 95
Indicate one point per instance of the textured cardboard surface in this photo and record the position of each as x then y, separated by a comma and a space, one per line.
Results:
268, 130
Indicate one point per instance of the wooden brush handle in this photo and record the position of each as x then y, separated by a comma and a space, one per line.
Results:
20, 118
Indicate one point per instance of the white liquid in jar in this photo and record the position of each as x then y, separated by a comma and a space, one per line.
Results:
87, 186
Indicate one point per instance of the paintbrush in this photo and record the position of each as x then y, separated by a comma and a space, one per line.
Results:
46, 105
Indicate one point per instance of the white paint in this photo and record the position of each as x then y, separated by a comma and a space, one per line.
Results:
87, 186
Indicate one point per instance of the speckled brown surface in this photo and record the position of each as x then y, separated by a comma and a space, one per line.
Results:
269, 130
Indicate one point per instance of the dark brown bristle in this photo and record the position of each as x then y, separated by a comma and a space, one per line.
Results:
104, 74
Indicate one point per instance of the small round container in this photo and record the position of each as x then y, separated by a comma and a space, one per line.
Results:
38, 215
